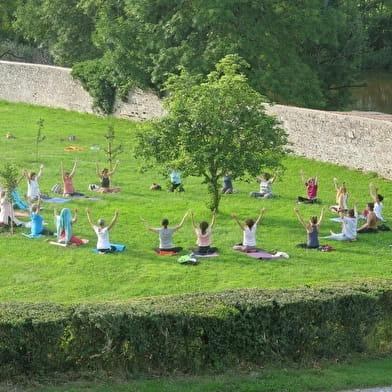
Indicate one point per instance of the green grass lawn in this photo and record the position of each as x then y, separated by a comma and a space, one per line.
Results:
33, 270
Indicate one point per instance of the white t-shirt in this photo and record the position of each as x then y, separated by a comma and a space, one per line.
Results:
33, 189
378, 210
103, 237
250, 236
165, 237
350, 227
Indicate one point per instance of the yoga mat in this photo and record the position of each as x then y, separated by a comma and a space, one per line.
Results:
165, 252
57, 200
119, 248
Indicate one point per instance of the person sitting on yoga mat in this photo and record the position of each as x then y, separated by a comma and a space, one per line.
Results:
311, 190
312, 229
64, 223
67, 177
104, 176
249, 233
370, 226
203, 234
166, 234
102, 232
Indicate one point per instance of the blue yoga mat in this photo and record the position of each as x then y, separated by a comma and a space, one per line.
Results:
119, 248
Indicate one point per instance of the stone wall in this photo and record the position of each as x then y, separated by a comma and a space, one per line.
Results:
350, 140
54, 87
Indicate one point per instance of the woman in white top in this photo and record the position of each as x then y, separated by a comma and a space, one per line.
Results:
249, 232
349, 226
33, 192
102, 232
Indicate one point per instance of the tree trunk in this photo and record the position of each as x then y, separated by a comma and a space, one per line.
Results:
214, 194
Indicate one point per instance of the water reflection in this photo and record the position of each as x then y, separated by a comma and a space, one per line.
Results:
376, 95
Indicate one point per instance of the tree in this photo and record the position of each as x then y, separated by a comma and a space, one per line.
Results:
213, 124
9, 176
39, 137
111, 151
61, 26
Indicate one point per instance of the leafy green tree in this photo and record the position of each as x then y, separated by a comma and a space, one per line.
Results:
9, 176
61, 26
213, 124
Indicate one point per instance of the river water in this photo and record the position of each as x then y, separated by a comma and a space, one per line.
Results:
376, 96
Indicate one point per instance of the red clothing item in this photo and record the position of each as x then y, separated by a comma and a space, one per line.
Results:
311, 188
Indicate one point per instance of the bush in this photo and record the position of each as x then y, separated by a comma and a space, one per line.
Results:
191, 333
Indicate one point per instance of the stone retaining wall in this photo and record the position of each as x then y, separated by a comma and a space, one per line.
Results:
350, 140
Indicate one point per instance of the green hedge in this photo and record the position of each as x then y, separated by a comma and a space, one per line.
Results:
191, 333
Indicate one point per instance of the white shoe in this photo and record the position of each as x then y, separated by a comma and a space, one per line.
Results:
283, 255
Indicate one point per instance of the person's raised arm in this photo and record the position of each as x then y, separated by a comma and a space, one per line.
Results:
356, 208
182, 222
75, 218
335, 182
89, 217
322, 214
62, 169
20, 179
74, 168
299, 216
193, 221
272, 180
374, 193
25, 174
148, 227
38, 206
111, 224
302, 173
260, 216
114, 168
235, 217
41, 167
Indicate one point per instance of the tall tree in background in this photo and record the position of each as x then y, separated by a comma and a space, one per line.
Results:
60, 26
304, 53
213, 124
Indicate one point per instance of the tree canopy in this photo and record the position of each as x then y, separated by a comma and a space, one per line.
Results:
214, 123
304, 53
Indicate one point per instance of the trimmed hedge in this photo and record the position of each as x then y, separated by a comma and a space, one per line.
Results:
191, 333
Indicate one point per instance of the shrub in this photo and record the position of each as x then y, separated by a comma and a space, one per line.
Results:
192, 333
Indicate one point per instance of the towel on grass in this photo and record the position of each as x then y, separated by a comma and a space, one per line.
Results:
261, 254
56, 200
118, 248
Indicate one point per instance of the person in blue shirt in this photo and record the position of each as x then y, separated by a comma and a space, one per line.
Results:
37, 221
175, 180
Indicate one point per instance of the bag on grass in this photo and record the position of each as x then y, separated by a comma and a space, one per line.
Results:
56, 188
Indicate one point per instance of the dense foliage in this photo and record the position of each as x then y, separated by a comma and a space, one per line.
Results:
192, 333
214, 125
306, 53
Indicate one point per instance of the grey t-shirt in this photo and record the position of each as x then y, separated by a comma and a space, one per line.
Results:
165, 238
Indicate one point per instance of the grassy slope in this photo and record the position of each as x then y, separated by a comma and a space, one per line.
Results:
33, 270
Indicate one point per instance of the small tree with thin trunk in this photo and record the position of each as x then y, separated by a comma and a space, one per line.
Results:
213, 124
39, 137
111, 151
9, 179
